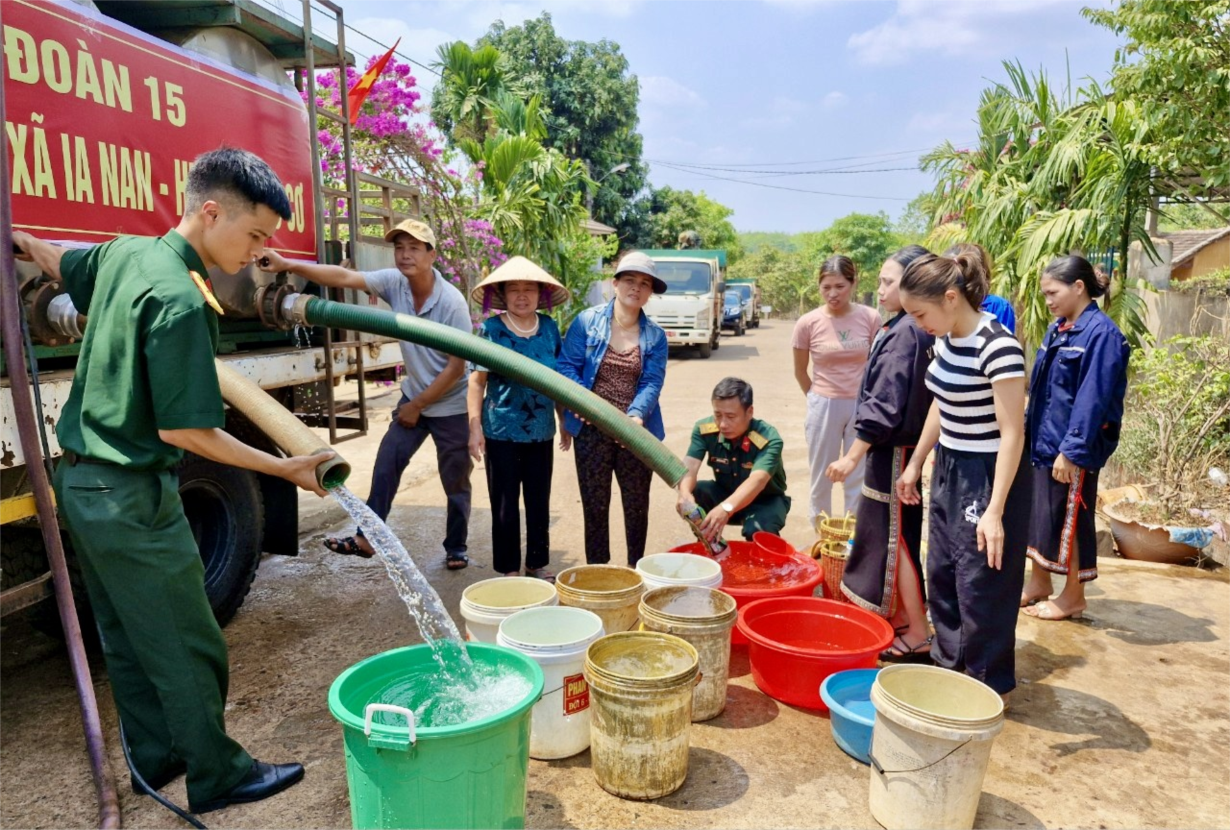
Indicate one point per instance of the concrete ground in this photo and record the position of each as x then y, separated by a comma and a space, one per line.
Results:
1122, 720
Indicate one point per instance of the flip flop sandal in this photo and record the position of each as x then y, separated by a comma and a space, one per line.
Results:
1049, 611
541, 573
908, 653
456, 561
347, 546
1026, 602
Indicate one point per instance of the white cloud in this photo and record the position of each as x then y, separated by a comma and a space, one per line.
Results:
801, 6
782, 111
947, 123
663, 92
950, 28
834, 100
483, 12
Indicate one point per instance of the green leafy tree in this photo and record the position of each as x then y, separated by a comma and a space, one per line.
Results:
672, 212
867, 238
590, 101
914, 223
472, 82
753, 241
786, 279
1175, 67
1179, 216
1047, 176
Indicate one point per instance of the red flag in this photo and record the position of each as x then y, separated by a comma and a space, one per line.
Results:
358, 93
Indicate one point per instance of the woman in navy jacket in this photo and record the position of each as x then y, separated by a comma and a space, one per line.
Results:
617, 352
1075, 410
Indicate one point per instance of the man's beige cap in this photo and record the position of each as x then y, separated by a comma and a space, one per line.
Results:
416, 228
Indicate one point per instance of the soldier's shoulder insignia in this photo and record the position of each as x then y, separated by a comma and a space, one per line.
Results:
759, 440
709, 428
206, 292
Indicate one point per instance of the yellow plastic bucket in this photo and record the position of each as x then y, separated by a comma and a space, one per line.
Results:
704, 617
610, 591
640, 686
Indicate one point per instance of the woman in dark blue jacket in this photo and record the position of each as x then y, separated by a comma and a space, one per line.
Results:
620, 354
1075, 410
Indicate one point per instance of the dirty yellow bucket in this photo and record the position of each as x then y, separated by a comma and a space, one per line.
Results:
610, 591
704, 617
640, 686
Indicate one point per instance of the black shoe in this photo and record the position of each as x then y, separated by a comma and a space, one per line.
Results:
262, 781
157, 782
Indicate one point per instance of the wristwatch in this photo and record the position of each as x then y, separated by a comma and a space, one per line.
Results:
728, 507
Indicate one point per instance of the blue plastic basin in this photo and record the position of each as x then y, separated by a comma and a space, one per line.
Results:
851, 713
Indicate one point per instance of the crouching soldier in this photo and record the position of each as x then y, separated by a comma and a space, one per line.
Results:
749, 479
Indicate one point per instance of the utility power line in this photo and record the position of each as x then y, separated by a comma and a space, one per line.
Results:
784, 187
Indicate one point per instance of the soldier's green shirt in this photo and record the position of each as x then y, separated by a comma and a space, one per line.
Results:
732, 463
147, 359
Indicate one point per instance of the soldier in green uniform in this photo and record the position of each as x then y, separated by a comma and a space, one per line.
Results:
145, 390
749, 481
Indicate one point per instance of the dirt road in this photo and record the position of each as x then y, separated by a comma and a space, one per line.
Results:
1120, 721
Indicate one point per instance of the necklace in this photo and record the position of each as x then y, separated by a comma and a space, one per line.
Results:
527, 332
632, 327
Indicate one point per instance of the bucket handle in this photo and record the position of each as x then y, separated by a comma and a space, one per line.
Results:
389, 741
875, 764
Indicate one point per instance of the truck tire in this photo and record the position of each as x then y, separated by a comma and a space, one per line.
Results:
705, 350
22, 556
226, 512
740, 328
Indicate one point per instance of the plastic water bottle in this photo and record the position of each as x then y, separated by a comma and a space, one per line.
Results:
694, 514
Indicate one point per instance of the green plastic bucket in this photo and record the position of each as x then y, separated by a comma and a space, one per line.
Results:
467, 776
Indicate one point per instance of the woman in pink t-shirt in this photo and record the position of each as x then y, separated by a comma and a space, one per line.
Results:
836, 338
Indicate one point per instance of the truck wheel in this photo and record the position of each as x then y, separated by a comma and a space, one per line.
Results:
225, 510
740, 329
705, 350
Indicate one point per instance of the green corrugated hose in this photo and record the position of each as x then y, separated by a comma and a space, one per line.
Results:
580, 400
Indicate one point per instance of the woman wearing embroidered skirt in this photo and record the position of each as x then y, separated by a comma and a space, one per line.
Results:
1075, 409
884, 571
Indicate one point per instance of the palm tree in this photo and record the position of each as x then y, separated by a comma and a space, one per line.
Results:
1048, 176
471, 84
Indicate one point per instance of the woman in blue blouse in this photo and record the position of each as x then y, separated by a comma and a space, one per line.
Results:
620, 354
511, 425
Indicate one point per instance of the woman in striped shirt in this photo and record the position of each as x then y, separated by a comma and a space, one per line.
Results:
977, 535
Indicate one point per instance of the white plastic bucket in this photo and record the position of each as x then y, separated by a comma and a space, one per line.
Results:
930, 745
556, 639
666, 570
484, 605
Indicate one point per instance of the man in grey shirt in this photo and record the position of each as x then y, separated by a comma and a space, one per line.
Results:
433, 392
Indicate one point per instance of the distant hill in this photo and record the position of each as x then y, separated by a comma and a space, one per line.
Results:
753, 241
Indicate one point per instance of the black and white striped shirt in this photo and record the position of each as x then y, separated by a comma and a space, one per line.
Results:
960, 377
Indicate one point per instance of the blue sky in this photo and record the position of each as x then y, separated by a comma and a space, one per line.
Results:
766, 84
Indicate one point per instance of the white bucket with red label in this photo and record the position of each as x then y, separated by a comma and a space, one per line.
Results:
556, 637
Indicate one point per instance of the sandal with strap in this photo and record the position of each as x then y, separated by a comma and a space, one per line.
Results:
541, 573
907, 653
456, 561
347, 546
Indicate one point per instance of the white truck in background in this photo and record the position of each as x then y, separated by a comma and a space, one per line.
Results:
691, 309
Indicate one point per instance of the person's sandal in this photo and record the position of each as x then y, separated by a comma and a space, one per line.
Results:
541, 573
347, 546
456, 561
920, 653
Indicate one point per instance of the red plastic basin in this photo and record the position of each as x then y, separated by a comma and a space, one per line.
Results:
794, 643
747, 578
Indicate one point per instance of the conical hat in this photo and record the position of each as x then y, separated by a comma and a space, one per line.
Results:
519, 268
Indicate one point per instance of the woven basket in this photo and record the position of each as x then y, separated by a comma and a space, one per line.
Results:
832, 555
834, 529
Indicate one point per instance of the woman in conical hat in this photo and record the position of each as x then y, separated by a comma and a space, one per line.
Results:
511, 425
